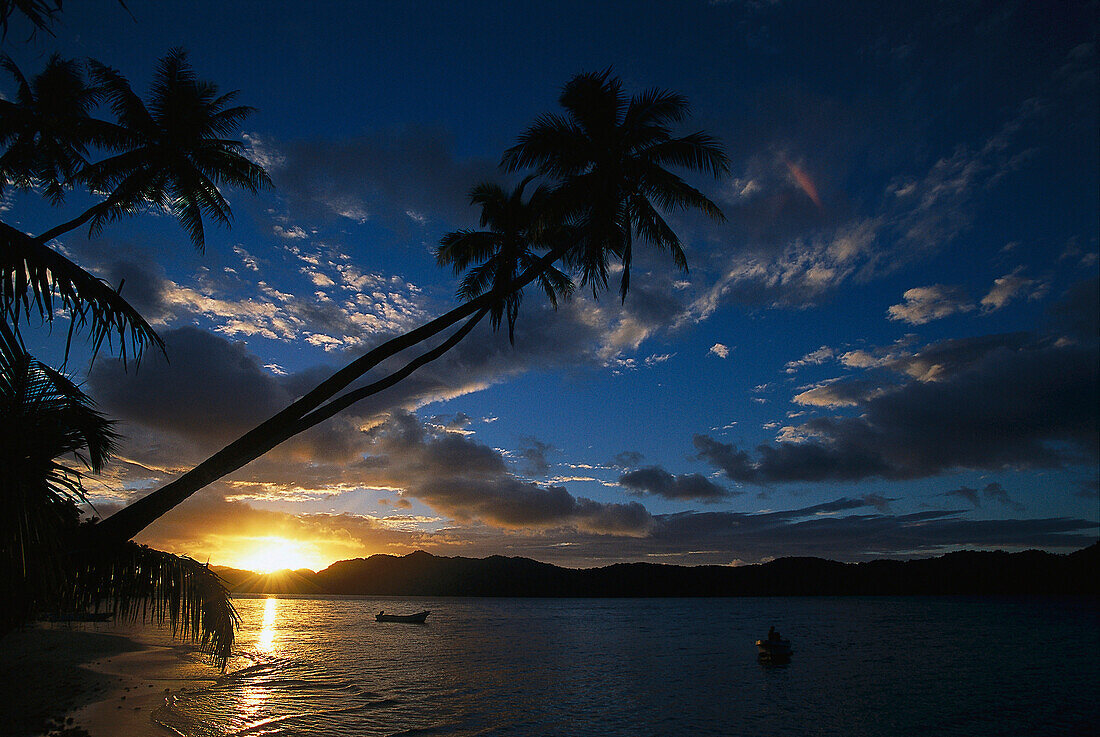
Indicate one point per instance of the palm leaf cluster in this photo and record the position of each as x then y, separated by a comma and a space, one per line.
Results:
608, 155
139, 583
173, 153
605, 161
51, 436
40, 13
495, 259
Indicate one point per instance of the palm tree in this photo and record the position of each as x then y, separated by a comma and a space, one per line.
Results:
497, 258
40, 13
48, 127
607, 157
51, 431
173, 153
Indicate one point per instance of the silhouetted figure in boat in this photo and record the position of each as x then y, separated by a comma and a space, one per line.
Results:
381, 612
773, 636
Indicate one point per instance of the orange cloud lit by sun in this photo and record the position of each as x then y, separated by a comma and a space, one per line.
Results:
805, 183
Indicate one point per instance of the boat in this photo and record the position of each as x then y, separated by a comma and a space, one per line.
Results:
774, 650
417, 618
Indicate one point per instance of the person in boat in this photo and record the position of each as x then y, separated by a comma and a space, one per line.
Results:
381, 612
773, 636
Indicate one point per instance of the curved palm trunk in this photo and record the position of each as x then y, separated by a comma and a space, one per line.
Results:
75, 223
307, 411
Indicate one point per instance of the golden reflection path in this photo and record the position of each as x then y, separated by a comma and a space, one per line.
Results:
266, 641
254, 697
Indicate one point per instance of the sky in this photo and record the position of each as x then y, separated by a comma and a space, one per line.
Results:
889, 349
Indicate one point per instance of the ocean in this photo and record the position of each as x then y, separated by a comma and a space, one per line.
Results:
861, 666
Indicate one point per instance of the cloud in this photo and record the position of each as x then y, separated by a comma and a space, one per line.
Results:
813, 358
534, 452
209, 389
402, 178
992, 405
925, 304
468, 481
1077, 314
1010, 287
659, 482
849, 393
992, 491
719, 350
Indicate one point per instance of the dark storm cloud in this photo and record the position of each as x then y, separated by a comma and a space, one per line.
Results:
1035, 407
659, 482
1078, 312
401, 178
142, 284
459, 477
209, 389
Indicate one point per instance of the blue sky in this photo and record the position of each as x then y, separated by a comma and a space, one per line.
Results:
889, 349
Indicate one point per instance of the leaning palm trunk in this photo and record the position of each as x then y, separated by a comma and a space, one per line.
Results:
311, 409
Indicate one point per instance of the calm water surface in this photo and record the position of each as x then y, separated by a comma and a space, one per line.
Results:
862, 666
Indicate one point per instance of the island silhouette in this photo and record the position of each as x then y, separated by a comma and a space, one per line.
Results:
423, 574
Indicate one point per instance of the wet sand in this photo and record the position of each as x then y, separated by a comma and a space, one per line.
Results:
75, 677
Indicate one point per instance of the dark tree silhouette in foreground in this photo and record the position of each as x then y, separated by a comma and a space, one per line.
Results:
496, 258
172, 154
47, 423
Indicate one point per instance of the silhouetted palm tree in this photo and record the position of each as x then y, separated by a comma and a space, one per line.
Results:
495, 259
48, 128
40, 13
609, 155
50, 437
173, 154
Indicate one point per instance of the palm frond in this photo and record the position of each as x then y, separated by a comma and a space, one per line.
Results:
696, 151
35, 279
40, 13
142, 584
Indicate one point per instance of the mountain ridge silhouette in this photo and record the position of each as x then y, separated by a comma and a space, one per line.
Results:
423, 574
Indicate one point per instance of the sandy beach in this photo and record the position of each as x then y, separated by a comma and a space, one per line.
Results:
93, 678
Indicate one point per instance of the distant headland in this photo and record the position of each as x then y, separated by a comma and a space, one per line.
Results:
423, 574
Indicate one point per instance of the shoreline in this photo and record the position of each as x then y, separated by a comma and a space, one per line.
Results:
93, 680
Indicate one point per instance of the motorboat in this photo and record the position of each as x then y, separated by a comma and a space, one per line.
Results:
417, 618
774, 650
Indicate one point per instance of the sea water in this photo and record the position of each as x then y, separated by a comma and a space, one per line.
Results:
861, 666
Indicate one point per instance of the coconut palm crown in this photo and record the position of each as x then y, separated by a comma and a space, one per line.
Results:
609, 156
174, 153
494, 259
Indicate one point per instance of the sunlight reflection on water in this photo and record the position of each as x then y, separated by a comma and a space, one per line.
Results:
266, 641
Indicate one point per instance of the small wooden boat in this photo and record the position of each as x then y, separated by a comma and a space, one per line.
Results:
774, 650
417, 618
79, 617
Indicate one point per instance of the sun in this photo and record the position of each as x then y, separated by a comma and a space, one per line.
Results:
268, 554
